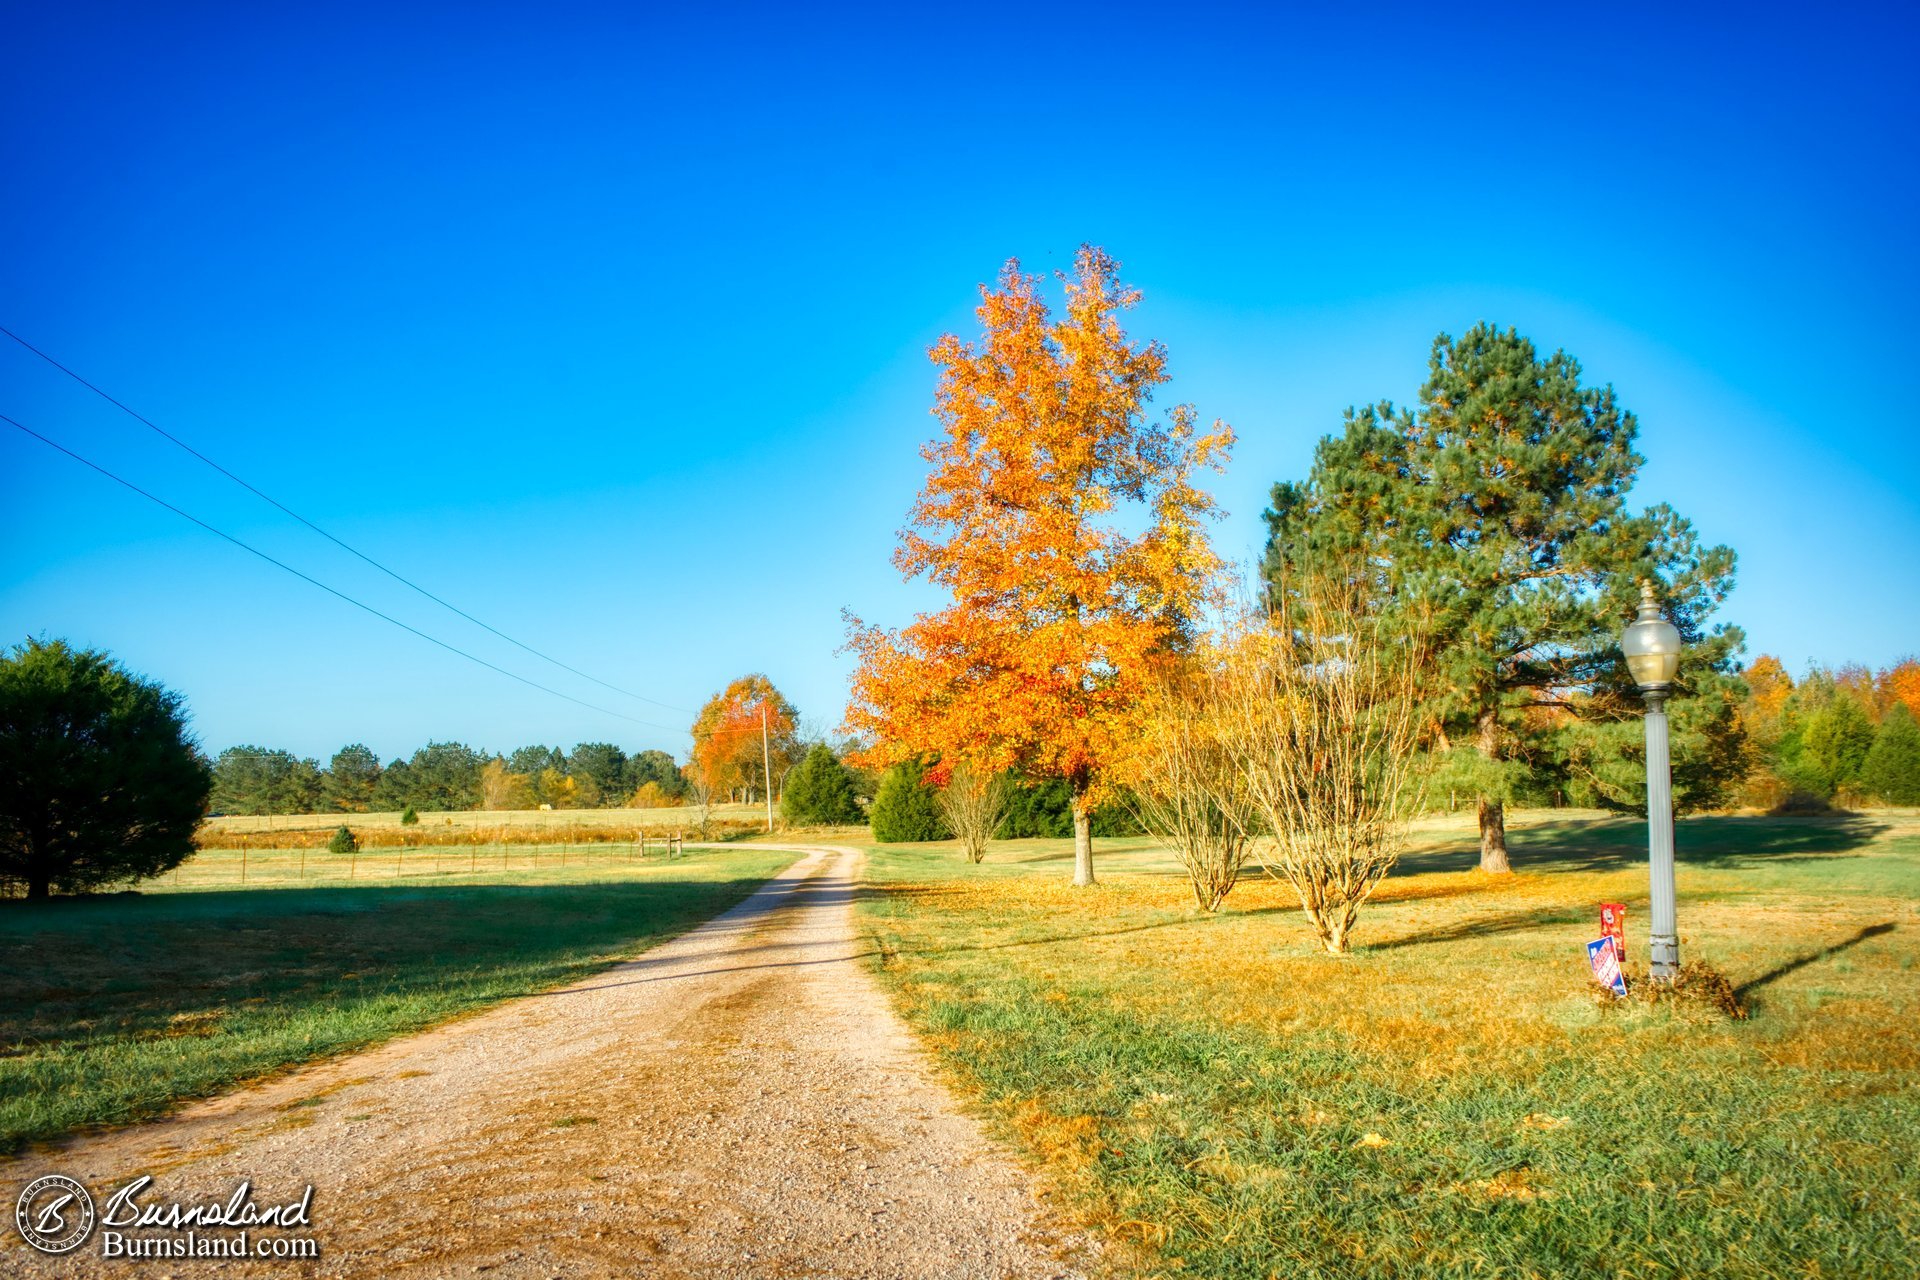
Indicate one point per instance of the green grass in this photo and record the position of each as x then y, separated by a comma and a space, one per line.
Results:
1450, 1100
117, 1008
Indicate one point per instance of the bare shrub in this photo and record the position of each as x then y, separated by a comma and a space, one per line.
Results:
1317, 708
700, 787
974, 803
1186, 787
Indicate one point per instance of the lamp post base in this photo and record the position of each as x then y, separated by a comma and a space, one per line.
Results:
1663, 952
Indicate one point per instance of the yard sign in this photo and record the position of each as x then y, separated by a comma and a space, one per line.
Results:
1613, 923
1606, 965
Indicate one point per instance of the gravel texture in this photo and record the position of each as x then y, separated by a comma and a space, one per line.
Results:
739, 1101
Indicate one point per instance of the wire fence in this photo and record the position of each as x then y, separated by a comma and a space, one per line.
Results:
280, 866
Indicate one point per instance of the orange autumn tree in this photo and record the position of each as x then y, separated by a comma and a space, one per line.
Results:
1768, 688
1900, 683
1067, 529
726, 734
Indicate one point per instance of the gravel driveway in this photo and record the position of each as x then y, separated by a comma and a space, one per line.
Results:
739, 1101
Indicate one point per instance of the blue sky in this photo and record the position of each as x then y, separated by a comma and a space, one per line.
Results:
610, 326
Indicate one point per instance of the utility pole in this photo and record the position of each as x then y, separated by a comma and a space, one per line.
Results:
766, 762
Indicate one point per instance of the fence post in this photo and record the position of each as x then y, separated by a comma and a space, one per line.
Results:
243, 862
302, 879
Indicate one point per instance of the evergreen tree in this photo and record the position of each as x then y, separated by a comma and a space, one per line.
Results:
1044, 809
343, 840
351, 779
1836, 741
1499, 504
99, 782
600, 769
394, 790
658, 768
1600, 761
255, 780
445, 776
819, 791
531, 760
1891, 770
904, 810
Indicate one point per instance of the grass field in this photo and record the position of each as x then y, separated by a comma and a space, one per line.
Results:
555, 821
272, 866
484, 826
1450, 1100
118, 1007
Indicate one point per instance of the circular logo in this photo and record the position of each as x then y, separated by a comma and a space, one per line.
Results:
54, 1214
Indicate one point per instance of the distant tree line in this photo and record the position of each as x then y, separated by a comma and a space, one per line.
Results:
1840, 735
444, 776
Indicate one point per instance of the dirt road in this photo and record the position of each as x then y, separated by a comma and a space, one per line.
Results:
736, 1102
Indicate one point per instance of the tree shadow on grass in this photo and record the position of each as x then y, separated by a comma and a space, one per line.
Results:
1618, 843
1814, 957
150, 966
1483, 927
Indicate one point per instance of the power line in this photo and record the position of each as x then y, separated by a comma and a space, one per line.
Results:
275, 502
308, 578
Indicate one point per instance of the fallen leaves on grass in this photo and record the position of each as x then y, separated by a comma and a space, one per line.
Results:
1509, 1184
1697, 988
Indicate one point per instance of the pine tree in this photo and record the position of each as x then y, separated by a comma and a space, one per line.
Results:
1837, 739
351, 778
904, 809
1892, 767
819, 791
1500, 502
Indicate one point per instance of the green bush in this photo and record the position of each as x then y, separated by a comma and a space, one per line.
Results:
99, 782
1045, 809
408, 818
819, 791
343, 840
1892, 767
904, 810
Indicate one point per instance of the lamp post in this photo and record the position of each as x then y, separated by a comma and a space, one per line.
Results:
1652, 648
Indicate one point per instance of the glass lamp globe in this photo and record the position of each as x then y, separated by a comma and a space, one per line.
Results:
1651, 645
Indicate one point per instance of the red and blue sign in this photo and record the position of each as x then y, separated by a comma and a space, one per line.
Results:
1606, 966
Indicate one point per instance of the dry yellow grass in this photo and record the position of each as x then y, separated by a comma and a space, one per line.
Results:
554, 819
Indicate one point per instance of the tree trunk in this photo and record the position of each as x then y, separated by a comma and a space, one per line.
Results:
1493, 837
1082, 839
39, 886
1493, 813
